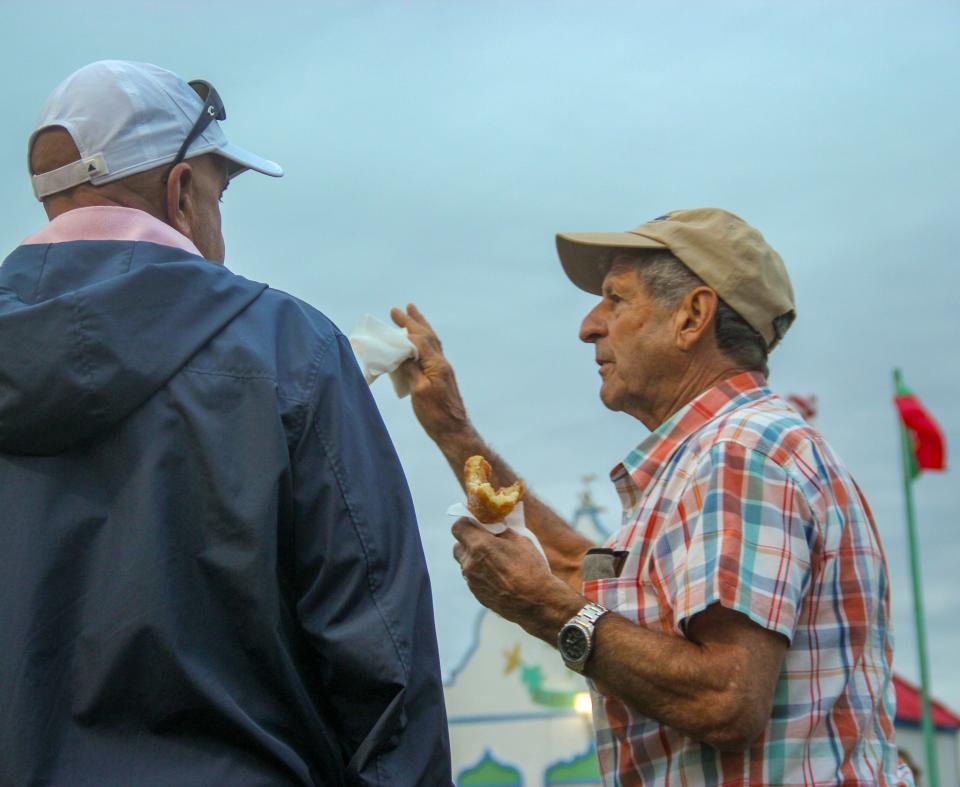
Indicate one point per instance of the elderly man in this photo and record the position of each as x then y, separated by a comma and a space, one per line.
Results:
210, 570
736, 629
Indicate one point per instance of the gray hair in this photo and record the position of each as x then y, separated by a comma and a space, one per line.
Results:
667, 280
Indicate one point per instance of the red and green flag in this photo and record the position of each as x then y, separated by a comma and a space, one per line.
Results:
926, 437
922, 448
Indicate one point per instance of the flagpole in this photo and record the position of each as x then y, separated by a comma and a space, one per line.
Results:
929, 740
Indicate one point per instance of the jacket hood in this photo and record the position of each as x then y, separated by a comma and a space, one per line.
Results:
89, 330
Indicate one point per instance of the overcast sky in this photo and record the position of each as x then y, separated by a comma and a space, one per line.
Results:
433, 149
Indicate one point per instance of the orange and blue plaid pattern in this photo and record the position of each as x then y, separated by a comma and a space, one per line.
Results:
736, 500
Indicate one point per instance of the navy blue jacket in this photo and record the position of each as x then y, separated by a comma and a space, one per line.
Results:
210, 569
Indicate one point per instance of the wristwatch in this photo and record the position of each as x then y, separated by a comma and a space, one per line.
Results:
575, 640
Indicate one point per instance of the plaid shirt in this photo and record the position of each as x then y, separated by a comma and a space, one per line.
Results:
736, 500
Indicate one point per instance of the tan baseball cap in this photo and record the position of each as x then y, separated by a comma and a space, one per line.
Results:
729, 255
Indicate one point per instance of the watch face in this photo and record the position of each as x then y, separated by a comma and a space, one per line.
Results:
573, 643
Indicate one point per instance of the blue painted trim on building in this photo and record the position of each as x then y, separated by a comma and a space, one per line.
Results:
592, 513
474, 644
916, 725
532, 716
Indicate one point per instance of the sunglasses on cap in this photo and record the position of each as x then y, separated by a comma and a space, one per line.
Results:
212, 109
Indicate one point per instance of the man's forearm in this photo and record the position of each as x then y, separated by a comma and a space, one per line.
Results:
564, 547
716, 685
702, 690
662, 676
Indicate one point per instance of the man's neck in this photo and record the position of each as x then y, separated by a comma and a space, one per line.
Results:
695, 380
88, 198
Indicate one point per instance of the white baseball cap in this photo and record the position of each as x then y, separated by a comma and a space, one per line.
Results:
129, 117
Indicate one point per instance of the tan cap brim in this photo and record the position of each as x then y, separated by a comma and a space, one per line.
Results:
584, 255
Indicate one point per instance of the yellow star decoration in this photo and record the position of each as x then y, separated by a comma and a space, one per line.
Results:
513, 659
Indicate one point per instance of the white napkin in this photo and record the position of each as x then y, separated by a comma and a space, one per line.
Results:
380, 349
514, 522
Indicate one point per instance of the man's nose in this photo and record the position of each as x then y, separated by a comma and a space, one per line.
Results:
593, 327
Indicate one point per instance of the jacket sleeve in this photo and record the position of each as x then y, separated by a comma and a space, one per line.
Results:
363, 594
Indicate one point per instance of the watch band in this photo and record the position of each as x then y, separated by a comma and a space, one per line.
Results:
590, 613
584, 621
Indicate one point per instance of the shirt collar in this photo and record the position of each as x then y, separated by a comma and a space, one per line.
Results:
109, 222
643, 463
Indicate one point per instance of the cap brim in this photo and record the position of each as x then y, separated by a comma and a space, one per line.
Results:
584, 255
245, 160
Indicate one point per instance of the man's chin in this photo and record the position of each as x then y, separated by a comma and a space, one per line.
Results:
610, 400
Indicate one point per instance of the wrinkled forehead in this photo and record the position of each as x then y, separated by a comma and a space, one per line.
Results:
619, 263
621, 274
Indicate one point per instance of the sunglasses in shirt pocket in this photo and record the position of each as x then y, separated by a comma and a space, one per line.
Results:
601, 569
603, 563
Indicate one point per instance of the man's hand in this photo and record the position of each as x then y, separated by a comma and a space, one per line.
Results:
439, 408
509, 576
433, 388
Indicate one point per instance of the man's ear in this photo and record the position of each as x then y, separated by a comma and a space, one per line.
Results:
694, 316
180, 198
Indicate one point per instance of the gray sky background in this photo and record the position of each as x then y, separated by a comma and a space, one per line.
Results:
433, 149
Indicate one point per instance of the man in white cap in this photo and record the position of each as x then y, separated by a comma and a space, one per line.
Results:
210, 569
736, 629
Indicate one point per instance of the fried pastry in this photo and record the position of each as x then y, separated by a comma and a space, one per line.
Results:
487, 504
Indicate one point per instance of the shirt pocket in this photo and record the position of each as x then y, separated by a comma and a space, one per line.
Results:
636, 600
618, 594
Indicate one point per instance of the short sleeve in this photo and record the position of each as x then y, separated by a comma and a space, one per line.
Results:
743, 538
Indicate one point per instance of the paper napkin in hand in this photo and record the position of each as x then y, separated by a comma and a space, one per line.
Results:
380, 349
514, 521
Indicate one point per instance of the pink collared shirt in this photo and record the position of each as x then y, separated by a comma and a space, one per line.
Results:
105, 222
